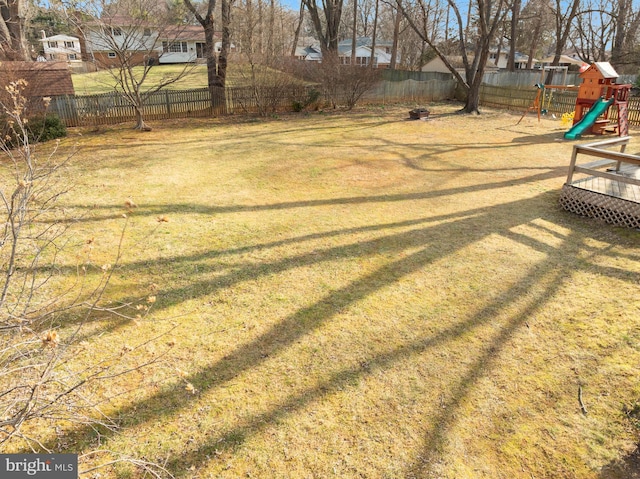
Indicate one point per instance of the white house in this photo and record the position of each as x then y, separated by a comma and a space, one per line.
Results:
61, 48
381, 56
501, 59
309, 53
180, 44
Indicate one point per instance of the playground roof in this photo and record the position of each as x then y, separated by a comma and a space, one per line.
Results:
606, 70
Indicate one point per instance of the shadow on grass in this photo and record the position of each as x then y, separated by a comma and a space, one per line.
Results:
626, 468
157, 210
460, 231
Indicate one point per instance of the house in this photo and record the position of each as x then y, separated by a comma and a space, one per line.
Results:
565, 61
61, 48
381, 56
309, 53
144, 44
186, 43
501, 59
437, 65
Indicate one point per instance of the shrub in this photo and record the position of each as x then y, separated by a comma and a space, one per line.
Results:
46, 127
312, 97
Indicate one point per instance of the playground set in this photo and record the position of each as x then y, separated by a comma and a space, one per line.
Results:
608, 187
596, 95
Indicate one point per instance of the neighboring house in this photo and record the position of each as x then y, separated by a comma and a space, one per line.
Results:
565, 61
437, 65
381, 56
61, 48
102, 41
501, 59
186, 44
310, 53
178, 44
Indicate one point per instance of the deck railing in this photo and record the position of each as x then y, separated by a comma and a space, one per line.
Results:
608, 187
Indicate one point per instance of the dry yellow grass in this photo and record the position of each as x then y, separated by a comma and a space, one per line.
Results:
364, 296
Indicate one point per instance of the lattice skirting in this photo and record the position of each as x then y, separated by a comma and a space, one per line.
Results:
596, 205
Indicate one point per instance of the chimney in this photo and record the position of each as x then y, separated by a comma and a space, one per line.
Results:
44, 35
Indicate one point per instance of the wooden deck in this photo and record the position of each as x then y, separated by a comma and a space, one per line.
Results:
607, 188
613, 187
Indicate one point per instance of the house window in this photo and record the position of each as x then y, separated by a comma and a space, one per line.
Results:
146, 32
362, 61
117, 32
53, 44
493, 56
71, 56
111, 54
174, 47
68, 44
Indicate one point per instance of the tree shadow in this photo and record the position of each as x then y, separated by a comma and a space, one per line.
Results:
626, 468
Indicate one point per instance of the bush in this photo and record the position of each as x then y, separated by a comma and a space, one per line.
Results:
38, 129
312, 97
45, 128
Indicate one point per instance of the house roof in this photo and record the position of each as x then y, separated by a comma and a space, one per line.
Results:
564, 59
364, 42
60, 38
458, 64
186, 33
43, 78
310, 52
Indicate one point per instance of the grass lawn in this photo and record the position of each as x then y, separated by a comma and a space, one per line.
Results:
195, 77
357, 295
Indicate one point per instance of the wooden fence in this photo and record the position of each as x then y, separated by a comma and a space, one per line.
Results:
555, 102
111, 108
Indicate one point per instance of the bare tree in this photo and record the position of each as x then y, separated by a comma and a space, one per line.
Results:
326, 22
47, 303
594, 29
513, 31
564, 15
626, 22
128, 39
485, 16
535, 32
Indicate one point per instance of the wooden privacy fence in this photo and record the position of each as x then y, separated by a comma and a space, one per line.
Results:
111, 108
411, 90
555, 102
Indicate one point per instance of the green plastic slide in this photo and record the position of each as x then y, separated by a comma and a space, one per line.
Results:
589, 119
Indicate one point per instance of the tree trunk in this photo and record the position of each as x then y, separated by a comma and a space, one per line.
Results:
296, 36
472, 104
373, 37
140, 123
226, 42
13, 41
396, 35
326, 28
354, 32
213, 78
515, 18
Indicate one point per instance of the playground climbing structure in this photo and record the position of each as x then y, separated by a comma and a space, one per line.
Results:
596, 95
